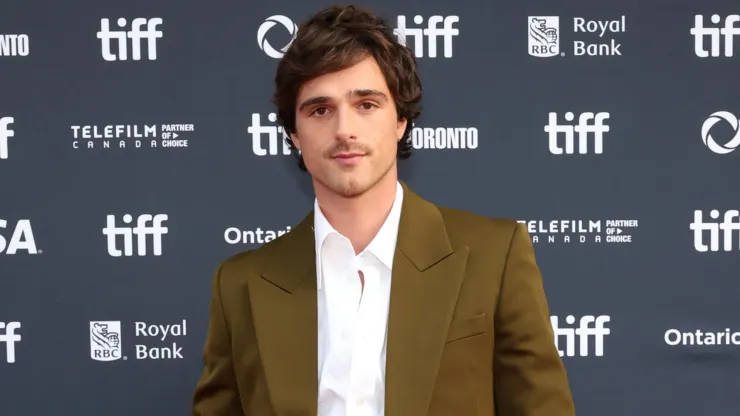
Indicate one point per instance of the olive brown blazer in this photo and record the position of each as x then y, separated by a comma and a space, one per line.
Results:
469, 332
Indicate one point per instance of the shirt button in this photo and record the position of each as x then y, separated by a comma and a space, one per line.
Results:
360, 402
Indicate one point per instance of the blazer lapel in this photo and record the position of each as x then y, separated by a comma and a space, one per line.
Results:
426, 279
427, 275
284, 312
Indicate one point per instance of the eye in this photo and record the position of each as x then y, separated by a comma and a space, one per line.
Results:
367, 105
319, 111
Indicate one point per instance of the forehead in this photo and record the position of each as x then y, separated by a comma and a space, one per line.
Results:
365, 74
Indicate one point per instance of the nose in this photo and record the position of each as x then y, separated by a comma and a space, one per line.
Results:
345, 124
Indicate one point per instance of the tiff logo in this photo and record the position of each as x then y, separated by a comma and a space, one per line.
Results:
146, 224
728, 228
5, 134
728, 32
275, 135
431, 32
583, 128
584, 332
9, 337
136, 34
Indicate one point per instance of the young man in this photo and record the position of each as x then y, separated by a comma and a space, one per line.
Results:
379, 302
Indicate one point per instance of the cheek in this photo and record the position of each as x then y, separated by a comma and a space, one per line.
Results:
308, 151
312, 151
311, 159
306, 137
391, 136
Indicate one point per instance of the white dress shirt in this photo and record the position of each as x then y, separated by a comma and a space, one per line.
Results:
352, 322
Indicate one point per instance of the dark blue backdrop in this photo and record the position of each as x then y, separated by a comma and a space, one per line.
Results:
138, 150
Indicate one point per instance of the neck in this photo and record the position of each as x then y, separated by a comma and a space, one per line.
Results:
359, 218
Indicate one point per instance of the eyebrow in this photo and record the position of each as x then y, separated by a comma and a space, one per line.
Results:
358, 92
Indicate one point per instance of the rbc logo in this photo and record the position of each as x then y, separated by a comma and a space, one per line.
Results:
544, 36
105, 340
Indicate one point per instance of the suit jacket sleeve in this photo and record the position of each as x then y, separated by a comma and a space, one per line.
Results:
216, 393
529, 376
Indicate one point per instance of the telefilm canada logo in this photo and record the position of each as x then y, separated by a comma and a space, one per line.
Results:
131, 136
581, 231
150, 342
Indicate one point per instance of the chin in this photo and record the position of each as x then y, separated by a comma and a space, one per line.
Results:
352, 188
349, 186
347, 183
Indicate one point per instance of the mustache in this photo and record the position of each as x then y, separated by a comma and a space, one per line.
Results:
346, 147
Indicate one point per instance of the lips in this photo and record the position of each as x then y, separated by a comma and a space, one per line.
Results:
348, 158
348, 155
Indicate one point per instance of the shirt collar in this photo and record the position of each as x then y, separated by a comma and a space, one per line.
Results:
382, 246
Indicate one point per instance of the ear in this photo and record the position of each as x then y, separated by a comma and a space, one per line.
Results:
296, 141
401, 128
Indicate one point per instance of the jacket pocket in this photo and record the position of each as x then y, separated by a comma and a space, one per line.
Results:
466, 328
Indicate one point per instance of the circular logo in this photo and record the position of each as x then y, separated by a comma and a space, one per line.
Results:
709, 140
268, 24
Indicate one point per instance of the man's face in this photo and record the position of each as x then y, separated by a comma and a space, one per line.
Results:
347, 129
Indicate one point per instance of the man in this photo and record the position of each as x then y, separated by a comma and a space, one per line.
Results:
378, 302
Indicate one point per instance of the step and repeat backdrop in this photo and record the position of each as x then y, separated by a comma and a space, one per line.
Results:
138, 149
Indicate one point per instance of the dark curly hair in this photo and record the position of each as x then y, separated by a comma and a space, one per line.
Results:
334, 39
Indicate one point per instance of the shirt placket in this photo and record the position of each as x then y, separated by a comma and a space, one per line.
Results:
362, 378
342, 311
